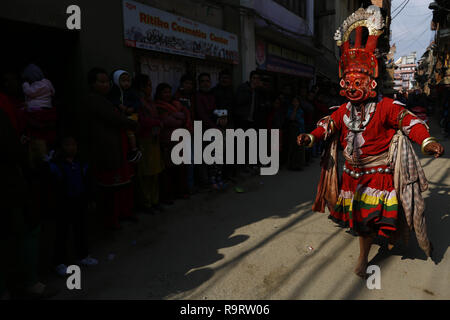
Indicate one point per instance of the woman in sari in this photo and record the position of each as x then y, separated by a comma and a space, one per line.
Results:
148, 135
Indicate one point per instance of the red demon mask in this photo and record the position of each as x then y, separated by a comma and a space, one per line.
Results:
358, 87
358, 67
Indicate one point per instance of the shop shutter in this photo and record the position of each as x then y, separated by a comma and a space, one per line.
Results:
163, 70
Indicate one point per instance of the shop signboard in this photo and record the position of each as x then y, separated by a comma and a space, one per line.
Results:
149, 28
280, 65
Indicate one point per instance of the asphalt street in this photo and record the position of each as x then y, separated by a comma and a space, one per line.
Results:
265, 243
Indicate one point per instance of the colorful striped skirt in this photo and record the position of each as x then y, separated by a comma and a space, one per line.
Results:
368, 204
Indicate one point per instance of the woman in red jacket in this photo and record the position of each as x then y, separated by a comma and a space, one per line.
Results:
173, 116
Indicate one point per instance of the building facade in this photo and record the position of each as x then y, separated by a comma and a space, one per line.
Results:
277, 39
291, 41
170, 37
441, 48
404, 75
329, 15
425, 75
163, 39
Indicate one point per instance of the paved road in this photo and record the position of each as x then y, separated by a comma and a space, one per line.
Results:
255, 246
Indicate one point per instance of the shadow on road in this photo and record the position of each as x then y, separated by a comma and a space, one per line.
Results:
174, 252
437, 214
177, 252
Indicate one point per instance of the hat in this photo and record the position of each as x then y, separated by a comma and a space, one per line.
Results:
360, 59
33, 73
116, 76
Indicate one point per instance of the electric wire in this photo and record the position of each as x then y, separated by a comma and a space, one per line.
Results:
403, 8
394, 10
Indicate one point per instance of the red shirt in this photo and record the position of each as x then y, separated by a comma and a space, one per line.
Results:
11, 110
380, 130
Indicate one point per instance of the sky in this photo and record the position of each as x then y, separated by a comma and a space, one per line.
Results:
411, 29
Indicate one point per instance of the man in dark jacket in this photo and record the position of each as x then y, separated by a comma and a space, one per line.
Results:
226, 100
204, 112
251, 109
224, 93
205, 102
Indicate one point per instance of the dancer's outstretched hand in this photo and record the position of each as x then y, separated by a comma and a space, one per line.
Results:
303, 140
435, 149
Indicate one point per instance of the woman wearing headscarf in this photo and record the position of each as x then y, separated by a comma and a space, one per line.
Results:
127, 101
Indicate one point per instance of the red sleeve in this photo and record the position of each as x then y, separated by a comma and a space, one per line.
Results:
337, 117
412, 126
10, 111
418, 132
318, 133
149, 122
391, 112
171, 122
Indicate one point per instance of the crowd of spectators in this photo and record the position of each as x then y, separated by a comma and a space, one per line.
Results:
128, 168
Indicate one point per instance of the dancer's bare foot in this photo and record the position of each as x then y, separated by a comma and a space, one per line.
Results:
361, 268
393, 242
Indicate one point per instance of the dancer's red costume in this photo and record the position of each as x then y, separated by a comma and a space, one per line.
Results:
372, 134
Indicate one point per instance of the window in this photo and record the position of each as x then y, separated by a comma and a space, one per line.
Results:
296, 6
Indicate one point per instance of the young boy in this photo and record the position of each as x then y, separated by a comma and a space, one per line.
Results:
72, 193
216, 170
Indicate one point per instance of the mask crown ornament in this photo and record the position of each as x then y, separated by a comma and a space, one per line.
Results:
358, 66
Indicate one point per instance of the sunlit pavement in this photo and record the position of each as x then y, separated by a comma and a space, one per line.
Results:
265, 244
